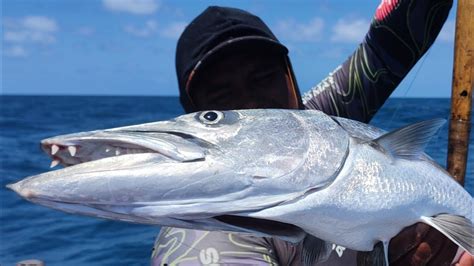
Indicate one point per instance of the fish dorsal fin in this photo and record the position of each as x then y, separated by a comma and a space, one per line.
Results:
409, 142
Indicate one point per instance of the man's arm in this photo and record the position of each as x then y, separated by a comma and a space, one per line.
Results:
400, 33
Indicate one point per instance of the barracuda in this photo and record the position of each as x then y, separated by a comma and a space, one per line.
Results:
277, 173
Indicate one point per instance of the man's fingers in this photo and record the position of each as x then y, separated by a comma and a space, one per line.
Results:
422, 255
442, 248
406, 240
421, 245
465, 260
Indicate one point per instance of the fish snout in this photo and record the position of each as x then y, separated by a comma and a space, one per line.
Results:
24, 193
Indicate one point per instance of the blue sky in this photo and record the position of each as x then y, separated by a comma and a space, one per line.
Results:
126, 47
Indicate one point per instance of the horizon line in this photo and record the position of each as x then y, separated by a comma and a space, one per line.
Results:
169, 96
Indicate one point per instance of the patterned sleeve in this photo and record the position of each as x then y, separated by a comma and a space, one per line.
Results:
176, 246
185, 247
400, 33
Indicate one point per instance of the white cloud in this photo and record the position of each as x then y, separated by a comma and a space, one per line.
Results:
294, 31
86, 31
447, 32
30, 29
15, 51
39, 23
350, 31
173, 30
15, 36
136, 7
150, 28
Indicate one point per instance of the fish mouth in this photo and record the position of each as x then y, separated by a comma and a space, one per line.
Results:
128, 168
134, 213
107, 151
75, 149
150, 177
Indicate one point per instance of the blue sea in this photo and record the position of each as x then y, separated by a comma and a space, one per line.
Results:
28, 231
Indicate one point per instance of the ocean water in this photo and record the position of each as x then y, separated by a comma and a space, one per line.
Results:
28, 231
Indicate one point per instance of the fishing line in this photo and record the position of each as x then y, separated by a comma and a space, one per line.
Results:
409, 86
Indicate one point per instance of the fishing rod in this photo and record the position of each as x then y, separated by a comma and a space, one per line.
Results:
462, 87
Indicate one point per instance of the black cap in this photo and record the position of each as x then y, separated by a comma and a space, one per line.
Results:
211, 31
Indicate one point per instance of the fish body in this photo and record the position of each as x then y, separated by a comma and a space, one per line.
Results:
281, 173
372, 200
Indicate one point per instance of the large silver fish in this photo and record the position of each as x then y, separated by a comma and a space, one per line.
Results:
276, 173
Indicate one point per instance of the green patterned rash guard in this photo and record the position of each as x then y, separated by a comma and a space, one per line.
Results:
400, 33
176, 246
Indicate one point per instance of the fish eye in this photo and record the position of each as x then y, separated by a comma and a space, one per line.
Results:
211, 117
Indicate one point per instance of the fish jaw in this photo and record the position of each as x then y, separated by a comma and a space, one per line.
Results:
184, 138
148, 188
88, 146
140, 213
121, 188
133, 180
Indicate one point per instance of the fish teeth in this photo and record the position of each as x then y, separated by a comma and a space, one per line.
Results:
72, 150
54, 149
107, 150
117, 152
54, 163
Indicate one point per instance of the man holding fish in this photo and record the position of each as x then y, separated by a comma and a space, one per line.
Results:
229, 59
290, 181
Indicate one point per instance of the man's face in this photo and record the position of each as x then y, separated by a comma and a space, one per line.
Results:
243, 80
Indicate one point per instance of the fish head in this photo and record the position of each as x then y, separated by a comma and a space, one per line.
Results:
266, 143
200, 170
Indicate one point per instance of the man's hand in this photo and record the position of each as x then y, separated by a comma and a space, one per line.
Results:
420, 244
465, 260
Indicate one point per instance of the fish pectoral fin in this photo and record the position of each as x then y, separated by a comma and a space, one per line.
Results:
375, 257
457, 228
410, 142
314, 250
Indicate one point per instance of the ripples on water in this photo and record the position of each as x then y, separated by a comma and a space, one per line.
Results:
31, 231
